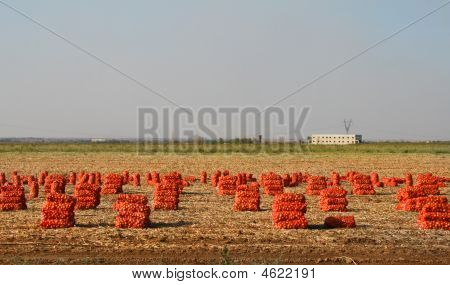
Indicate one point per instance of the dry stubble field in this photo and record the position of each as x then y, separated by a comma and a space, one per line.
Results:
206, 231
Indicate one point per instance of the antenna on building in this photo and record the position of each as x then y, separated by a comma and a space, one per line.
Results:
347, 125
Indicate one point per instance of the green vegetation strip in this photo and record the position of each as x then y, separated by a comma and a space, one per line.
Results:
212, 148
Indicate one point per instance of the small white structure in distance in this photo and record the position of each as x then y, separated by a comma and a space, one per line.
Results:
339, 139
97, 140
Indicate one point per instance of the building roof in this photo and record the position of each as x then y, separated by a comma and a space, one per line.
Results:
334, 135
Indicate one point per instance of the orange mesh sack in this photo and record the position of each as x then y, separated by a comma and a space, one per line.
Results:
247, 198
174, 178
113, 183
362, 185
165, 196
58, 211
434, 216
340, 222
12, 198
273, 184
55, 183
315, 185
87, 196
288, 211
333, 199
203, 177
227, 185
33, 187
132, 211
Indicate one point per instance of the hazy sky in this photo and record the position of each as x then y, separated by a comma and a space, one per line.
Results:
225, 53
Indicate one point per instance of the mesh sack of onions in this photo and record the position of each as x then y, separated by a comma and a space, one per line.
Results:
55, 183
288, 211
87, 195
33, 188
113, 183
165, 196
434, 216
132, 211
340, 222
246, 198
227, 185
362, 185
203, 177
316, 184
272, 183
58, 211
333, 199
175, 178
12, 198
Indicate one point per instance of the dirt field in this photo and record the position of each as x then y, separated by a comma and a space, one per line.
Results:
206, 230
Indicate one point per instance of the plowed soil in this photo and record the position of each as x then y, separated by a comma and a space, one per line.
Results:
206, 231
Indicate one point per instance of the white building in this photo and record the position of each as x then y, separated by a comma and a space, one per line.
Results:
96, 140
335, 139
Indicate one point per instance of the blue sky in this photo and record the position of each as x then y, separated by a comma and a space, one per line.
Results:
225, 53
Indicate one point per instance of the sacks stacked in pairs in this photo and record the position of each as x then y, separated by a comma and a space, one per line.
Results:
58, 211
87, 195
362, 185
316, 184
434, 216
87, 178
241, 178
414, 198
174, 178
135, 179
72, 179
33, 187
215, 178
333, 199
165, 196
392, 181
340, 222
375, 179
148, 179
429, 183
112, 184
80, 176
349, 176
247, 197
305, 177
42, 176
389, 182
286, 180
288, 211
335, 179
409, 179
125, 177
227, 185
12, 197
16, 180
95, 178
55, 183
155, 177
296, 179
273, 183
133, 211
292, 180
83, 177
152, 178
250, 177
203, 177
